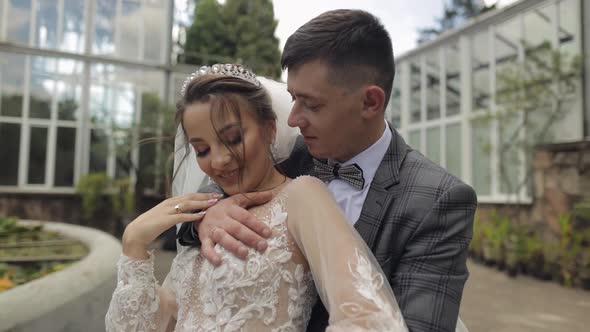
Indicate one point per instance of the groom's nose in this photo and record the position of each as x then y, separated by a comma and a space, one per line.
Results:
296, 117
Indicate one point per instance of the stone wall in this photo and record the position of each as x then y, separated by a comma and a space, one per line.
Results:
65, 208
561, 179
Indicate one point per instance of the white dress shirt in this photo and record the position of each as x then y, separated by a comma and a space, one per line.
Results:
349, 199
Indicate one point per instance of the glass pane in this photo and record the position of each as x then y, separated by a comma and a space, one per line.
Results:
433, 85
395, 101
124, 107
509, 164
414, 139
129, 25
9, 152
68, 102
415, 100
433, 144
37, 155
73, 27
538, 27
104, 37
19, 21
101, 104
154, 18
507, 45
480, 61
123, 145
99, 149
569, 31
454, 149
42, 88
65, 156
46, 35
147, 160
12, 69
453, 77
481, 152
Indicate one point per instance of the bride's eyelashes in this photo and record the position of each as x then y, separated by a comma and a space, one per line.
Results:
204, 151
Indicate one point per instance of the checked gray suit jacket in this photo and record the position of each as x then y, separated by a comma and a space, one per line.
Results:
418, 221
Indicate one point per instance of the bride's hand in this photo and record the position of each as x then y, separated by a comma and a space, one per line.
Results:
148, 226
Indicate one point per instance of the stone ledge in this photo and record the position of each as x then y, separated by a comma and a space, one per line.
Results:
73, 299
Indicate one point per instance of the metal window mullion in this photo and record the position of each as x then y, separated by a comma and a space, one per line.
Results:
404, 98
33, 22
4, 20
141, 28
23, 170
423, 105
135, 139
109, 130
116, 24
522, 159
90, 26
443, 103
60, 24
51, 139
494, 127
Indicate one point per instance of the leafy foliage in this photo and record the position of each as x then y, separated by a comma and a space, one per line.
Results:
239, 31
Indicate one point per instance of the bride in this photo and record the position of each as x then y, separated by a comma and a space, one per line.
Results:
226, 115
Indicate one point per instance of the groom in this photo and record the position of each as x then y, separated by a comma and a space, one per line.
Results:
415, 216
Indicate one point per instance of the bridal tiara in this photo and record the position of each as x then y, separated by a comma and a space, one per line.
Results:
223, 69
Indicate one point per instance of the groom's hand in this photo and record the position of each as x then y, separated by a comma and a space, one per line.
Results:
233, 227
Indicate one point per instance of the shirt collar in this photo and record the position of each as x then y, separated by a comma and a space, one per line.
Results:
369, 159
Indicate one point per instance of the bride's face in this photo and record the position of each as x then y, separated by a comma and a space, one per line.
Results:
243, 136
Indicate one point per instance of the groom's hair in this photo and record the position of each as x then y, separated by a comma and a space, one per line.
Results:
353, 43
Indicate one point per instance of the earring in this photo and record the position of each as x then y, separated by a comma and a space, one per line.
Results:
274, 149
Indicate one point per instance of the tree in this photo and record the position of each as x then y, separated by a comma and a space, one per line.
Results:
239, 31
454, 13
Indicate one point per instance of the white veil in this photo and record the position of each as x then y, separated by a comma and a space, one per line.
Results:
189, 177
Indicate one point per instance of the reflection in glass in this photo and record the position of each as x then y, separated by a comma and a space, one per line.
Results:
128, 26
124, 107
46, 34
123, 146
147, 160
433, 144
99, 149
73, 27
506, 44
42, 88
19, 21
101, 104
453, 79
12, 69
415, 98
481, 152
9, 152
104, 38
68, 101
37, 155
414, 139
432, 86
480, 61
65, 156
454, 149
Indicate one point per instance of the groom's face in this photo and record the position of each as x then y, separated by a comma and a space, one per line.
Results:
327, 113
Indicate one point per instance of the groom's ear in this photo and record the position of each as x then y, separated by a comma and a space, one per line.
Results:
373, 102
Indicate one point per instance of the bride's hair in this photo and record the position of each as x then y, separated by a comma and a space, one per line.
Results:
226, 95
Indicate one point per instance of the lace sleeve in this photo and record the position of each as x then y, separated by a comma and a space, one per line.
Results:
138, 302
349, 280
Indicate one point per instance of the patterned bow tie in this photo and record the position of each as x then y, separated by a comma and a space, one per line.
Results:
352, 174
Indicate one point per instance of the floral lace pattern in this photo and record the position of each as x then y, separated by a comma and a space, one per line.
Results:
266, 292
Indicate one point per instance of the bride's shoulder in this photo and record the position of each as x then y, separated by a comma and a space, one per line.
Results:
305, 187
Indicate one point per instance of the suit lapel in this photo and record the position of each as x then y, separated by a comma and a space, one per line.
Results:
380, 197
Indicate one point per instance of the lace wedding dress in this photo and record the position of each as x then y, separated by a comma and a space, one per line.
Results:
270, 291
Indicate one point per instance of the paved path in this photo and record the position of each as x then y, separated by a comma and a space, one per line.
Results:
494, 302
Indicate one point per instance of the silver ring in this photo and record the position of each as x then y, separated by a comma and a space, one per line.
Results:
177, 208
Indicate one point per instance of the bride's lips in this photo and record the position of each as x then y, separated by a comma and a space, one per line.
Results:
231, 176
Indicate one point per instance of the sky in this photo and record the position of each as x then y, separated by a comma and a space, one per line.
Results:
401, 18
